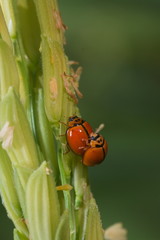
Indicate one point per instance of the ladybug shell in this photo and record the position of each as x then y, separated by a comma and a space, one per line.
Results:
77, 137
95, 155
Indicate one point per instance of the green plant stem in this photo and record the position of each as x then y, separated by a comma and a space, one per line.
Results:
67, 195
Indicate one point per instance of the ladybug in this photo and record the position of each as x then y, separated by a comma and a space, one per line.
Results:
77, 134
96, 151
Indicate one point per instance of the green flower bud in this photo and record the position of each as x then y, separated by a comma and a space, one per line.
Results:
8, 193
3, 29
28, 28
43, 212
7, 8
17, 137
63, 227
59, 94
81, 220
52, 79
19, 56
21, 176
94, 229
48, 19
9, 77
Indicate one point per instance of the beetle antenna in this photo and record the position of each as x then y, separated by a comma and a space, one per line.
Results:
101, 126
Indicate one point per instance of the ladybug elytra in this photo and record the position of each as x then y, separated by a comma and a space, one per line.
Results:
77, 134
96, 151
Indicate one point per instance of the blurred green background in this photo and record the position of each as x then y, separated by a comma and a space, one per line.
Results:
118, 45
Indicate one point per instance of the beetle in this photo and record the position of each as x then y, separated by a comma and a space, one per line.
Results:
96, 150
77, 134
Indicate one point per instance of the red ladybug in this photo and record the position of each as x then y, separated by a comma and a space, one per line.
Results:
77, 134
96, 151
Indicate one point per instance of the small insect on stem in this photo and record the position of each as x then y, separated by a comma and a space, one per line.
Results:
65, 187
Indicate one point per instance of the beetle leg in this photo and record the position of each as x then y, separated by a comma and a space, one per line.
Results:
63, 123
84, 148
62, 135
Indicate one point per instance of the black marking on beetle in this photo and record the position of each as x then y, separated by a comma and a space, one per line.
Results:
78, 121
85, 129
104, 154
94, 138
100, 144
72, 118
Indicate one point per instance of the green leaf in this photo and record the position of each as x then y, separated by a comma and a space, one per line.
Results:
8, 193
8, 74
23, 150
63, 227
18, 235
42, 205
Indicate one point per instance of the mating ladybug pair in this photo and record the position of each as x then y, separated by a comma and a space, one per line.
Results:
82, 141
